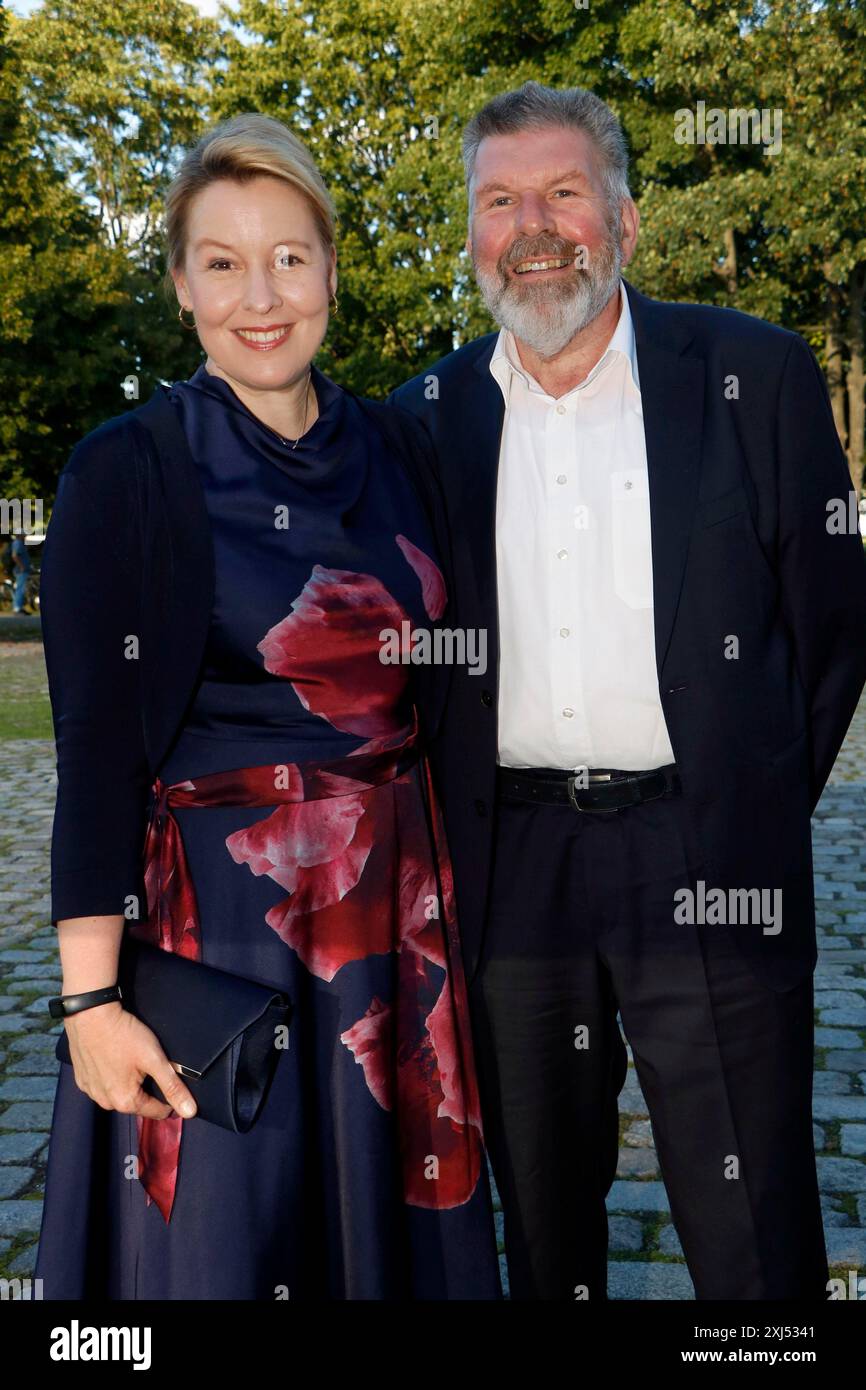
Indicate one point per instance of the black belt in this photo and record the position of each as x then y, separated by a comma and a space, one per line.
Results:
609, 789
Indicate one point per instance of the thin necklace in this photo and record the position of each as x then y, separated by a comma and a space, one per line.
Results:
306, 407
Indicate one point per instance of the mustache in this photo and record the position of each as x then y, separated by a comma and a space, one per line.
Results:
531, 251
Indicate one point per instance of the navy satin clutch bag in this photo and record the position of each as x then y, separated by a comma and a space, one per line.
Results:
222, 1029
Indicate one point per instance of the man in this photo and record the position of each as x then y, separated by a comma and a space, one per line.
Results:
21, 566
645, 500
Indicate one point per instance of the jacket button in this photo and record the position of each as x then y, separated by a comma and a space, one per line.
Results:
481, 807
486, 697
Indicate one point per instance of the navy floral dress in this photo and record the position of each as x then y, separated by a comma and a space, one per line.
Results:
295, 838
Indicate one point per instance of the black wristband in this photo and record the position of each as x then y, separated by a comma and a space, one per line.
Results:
62, 1005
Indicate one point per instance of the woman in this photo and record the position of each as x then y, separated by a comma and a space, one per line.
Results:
235, 625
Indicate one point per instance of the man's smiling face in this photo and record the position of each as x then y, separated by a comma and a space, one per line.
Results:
546, 247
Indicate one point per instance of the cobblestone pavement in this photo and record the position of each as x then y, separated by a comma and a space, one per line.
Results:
645, 1255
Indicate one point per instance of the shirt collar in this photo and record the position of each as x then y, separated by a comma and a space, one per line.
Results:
505, 362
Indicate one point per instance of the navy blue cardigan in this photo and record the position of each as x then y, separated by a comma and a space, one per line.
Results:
127, 588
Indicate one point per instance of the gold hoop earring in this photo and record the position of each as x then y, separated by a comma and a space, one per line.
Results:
182, 319
333, 300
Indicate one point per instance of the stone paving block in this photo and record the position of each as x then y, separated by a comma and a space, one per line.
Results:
819, 1138
33, 1064
36, 1042
639, 1135
627, 1196
631, 1101
836, 1038
648, 1281
34, 971
845, 1061
17, 1023
838, 1174
14, 1180
637, 1163
24, 1264
19, 1217
846, 1247
19, 1148
826, 1083
852, 1140
839, 1107
850, 1016
669, 1241
838, 999
854, 1016
28, 1088
27, 1114
833, 1218
624, 1233
15, 988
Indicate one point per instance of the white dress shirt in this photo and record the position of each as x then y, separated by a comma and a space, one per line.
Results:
578, 684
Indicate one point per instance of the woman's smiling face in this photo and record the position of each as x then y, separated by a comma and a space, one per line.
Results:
258, 281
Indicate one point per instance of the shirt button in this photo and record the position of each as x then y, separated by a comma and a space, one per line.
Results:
561, 478
569, 713
564, 631
560, 410
562, 554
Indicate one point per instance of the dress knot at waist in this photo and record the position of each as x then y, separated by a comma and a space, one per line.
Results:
272, 784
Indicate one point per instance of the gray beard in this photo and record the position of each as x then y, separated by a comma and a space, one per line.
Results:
547, 316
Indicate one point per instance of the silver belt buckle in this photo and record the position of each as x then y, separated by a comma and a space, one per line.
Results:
592, 777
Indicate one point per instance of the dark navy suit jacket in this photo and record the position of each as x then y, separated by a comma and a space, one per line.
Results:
127, 588
740, 544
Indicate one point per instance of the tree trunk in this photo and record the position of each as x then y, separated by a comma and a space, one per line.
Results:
835, 356
856, 377
727, 271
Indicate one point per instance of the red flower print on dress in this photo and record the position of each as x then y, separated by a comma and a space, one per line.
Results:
433, 592
440, 1143
358, 862
328, 647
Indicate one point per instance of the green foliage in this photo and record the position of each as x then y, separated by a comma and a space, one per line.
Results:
99, 99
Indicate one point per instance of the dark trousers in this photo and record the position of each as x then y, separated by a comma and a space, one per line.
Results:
581, 922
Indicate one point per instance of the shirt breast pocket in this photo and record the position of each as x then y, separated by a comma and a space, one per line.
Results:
631, 539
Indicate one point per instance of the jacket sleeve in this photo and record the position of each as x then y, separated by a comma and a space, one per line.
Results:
90, 603
823, 574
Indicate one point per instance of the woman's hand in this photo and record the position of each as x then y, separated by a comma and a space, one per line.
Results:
112, 1051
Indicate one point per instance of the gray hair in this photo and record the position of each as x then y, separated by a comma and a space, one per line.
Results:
536, 107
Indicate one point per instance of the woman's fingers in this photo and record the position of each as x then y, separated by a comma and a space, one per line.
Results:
111, 1056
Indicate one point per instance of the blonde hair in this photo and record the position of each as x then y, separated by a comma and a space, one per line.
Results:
242, 148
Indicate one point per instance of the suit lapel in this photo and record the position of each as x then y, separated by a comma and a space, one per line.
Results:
672, 398
483, 415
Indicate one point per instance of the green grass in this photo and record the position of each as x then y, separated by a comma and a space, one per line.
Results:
24, 708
